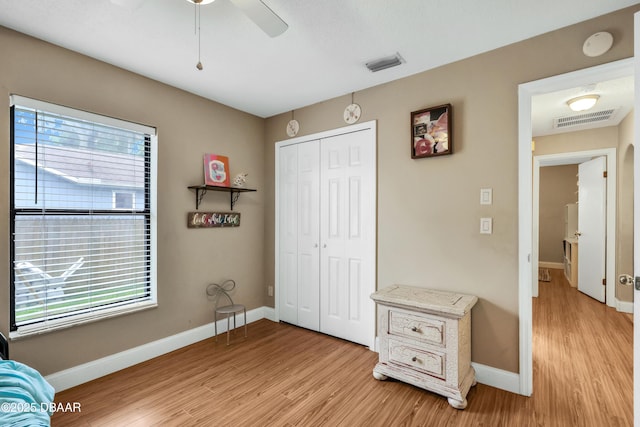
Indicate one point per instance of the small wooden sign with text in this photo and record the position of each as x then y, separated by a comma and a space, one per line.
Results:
213, 219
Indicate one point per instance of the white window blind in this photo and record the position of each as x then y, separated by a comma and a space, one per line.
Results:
76, 255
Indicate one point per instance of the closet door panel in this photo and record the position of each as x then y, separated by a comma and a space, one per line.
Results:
355, 208
288, 234
355, 289
347, 224
333, 289
308, 179
308, 292
333, 209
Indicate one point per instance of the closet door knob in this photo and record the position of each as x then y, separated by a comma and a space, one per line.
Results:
315, 245
324, 246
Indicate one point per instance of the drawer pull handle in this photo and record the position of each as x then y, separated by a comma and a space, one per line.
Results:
414, 359
414, 328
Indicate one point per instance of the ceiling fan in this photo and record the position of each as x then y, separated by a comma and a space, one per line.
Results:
262, 16
256, 10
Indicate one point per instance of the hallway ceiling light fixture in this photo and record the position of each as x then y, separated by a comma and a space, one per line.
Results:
583, 103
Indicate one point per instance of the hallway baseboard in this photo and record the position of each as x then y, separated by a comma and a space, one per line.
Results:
548, 264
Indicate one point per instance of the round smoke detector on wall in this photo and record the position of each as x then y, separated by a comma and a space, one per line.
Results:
597, 44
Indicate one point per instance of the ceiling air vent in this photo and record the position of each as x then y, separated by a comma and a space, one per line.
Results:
384, 63
583, 119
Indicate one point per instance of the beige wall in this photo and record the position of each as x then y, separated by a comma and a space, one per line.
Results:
592, 139
428, 209
188, 259
558, 187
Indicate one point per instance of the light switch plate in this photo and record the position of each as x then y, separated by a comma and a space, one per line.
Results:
486, 225
486, 196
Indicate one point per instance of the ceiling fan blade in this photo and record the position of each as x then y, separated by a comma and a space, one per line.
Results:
262, 16
129, 4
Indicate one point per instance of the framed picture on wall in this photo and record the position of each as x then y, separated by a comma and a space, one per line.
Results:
431, 132
216, 170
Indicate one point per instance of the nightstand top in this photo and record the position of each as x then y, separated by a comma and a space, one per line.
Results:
451, 303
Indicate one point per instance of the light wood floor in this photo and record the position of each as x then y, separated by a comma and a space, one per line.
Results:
285, 376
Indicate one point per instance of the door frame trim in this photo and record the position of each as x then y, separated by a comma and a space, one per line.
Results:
525, 194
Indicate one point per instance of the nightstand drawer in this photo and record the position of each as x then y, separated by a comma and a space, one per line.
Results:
417, 358
417, 327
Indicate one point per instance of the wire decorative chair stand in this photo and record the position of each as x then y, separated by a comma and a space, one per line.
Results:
217, 291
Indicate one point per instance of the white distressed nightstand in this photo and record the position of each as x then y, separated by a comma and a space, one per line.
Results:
425, 340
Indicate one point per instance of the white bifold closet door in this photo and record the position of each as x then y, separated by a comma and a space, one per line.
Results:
326, 238
347, 230
299, 198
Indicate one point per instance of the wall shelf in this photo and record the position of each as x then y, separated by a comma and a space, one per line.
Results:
234, 192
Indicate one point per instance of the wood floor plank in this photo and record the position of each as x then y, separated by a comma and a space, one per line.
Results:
282, 375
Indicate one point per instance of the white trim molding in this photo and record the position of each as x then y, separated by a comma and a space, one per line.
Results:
498, 378
624, 306
553, 265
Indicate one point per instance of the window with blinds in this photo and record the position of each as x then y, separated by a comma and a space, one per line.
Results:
81, 216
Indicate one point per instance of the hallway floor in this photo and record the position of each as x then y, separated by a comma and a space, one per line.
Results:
582, 357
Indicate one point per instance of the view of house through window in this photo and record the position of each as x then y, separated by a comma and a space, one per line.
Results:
81, 242
123, 200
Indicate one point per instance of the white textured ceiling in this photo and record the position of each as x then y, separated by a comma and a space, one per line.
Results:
320, 56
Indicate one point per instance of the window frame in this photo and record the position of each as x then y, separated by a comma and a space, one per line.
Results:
150, 196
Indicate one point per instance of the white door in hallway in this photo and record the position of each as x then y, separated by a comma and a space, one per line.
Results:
592, 193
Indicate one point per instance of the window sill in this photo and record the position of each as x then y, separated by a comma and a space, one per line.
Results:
56, 325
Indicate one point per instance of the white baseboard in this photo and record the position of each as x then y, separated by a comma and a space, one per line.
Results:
98, 368
624, 306
498, 378
554, 265
89, 371
269, 313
